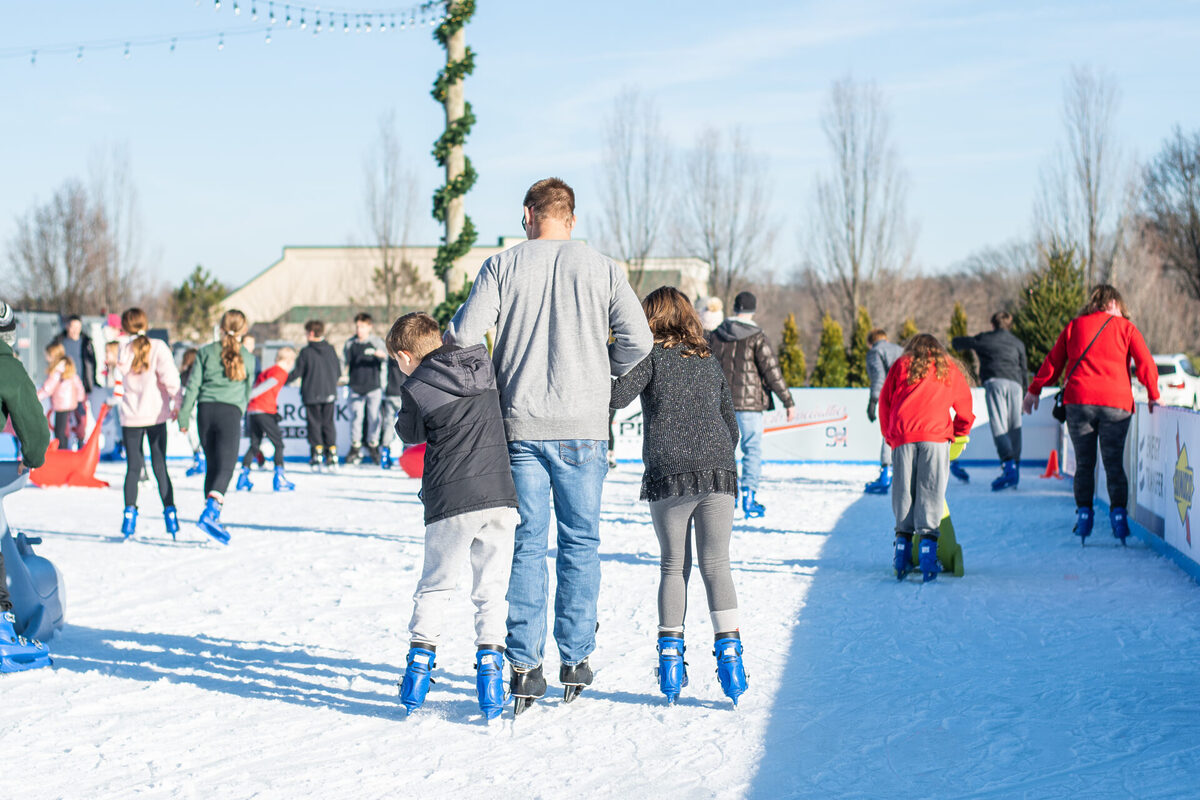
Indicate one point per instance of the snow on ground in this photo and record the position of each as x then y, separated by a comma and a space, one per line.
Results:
268, 668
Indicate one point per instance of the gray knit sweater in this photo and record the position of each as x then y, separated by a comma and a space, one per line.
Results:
689, 430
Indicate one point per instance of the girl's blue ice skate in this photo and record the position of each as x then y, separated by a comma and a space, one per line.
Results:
210, 521
489, 680
198, 466
1084, 517
282, 484
129, 522
243, 482
415, 683
730, 670
171, 519
672, 669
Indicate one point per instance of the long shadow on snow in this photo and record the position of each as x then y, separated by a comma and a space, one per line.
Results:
234, 527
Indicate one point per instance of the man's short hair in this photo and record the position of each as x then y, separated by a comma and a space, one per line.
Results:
362, 316
1002, 320
416, 333
875, 335
315, 327
551, 198
74, 318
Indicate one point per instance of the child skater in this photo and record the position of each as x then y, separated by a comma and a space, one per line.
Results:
263, 416
318, 369
147, 392
920, 391
65, 390
185, 372
450, 402
219, 388
690, 433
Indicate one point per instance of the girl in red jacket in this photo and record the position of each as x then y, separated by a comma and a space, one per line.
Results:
921, 390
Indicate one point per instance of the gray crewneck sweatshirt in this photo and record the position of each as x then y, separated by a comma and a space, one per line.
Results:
553, 303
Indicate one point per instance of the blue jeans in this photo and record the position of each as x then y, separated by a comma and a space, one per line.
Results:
750, 427
572, 472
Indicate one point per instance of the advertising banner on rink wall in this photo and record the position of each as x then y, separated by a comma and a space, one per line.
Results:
832, 425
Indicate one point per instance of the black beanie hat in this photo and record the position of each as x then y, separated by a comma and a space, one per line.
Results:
744, 302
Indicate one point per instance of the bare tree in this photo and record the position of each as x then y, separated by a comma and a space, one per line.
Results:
121, 274
634, 179
1170, 206
390, 204
861, 231
724, 209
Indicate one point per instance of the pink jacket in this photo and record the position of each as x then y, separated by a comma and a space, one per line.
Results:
65, 395
146, 398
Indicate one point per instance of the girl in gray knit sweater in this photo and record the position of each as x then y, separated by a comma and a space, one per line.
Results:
689, 437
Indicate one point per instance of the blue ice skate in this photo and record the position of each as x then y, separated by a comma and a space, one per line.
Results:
281, 483
672, 669
129, 522
18, 653
415, 683
210, 521
1084, 517
385, 457
730, 671
198, 466
1009, 478
902, 561
243, 482
489, 680
957, 471
1119, 518
751, 508
882, 484
927, 558
171, 519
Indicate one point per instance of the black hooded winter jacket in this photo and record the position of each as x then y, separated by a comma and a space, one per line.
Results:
750, 366
450, 403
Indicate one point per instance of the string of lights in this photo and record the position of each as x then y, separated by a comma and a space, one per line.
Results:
265, 19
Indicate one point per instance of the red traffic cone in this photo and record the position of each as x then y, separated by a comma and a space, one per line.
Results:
1052, 466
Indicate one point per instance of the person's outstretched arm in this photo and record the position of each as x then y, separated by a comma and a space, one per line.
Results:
481, 312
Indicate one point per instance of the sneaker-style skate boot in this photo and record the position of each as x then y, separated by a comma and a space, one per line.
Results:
902, 561
198, 466
1009, 478
959, 472
882, 484
730, 671
1084, 517
489, 680
281, 483
927, 558
331, 458
385, 457
751, 508
574, 678
672, 669
373, 454
129, 522
354, 457
171, 520
415, 683
526, 685
315, 458
243, 481
210, 521
1119, 518
18, 653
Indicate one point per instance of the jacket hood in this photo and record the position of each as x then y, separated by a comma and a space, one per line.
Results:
731, 330
459, 371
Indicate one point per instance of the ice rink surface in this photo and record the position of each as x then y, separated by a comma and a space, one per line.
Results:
267, 669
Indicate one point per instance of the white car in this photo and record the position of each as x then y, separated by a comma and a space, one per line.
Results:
1178, 383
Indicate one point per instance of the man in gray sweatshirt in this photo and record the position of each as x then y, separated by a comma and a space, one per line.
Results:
554, 303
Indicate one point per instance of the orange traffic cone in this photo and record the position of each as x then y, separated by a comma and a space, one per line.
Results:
1052, 466
73, 467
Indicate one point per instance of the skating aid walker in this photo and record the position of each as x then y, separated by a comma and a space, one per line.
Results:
36, 589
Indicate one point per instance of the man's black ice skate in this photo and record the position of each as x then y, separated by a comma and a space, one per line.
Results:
525, 686
354, 457
573, 678
373, 454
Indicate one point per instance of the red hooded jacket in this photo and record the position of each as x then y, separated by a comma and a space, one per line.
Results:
265, 394
1103, 377
921, 411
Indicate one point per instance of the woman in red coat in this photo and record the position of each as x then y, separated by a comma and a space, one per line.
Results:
1098, 398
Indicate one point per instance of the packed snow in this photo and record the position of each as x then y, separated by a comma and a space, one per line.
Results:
267, 668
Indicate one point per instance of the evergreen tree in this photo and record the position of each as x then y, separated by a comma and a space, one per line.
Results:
908, 330
958, 327
791, 355
856, 372
195, 304
831, 356
1050, 299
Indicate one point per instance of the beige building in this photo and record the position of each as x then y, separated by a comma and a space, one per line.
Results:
335, 283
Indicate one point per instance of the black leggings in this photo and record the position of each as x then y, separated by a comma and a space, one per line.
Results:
220, 428
62, 428
264, 425
321, 432
1108, 425
131, 437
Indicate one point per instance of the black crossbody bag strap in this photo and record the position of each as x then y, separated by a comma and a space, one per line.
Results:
1060, 399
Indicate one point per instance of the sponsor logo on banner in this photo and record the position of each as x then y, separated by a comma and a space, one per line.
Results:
1185, 485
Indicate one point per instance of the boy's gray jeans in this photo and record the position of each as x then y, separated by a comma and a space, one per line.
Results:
919, 474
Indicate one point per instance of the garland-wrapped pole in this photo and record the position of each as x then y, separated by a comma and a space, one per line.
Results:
448, 206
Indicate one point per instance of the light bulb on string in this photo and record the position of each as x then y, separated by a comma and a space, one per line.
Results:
236, 10
268, 35
254, 12
303, 24
221, 42
393, 23
217, 5
368, 23
173, 41
126, 56
33, 59
287, 11
79, 55
345, 24
271, 13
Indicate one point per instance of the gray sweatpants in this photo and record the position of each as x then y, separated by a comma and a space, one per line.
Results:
487, 536
711, 514
367, 404
1003, 398
919, 474
885, 454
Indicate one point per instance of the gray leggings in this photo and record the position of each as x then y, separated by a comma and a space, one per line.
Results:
712, 516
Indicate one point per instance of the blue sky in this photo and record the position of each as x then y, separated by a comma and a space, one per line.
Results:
240, 151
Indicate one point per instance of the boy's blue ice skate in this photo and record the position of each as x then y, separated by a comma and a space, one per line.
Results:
751, 508
210, 521
927, 558
672, 669
18, 653
129, 522
243, 482
1119, 518
957, 471
489, 680
385, 457
1084, 517
282, 484
198, 466
415, 683
1009, 478
902, 561
882, 484
171, 519
730, 670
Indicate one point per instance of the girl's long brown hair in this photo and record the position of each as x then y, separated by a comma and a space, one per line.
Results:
1102, 295
56, 354
925, 351
133, 322
233, 328
674, 322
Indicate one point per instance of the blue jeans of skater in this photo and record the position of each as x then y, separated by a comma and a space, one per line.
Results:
750, 426
365, 405
571, 472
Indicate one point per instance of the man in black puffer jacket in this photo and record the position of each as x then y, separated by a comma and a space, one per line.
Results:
753, 373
